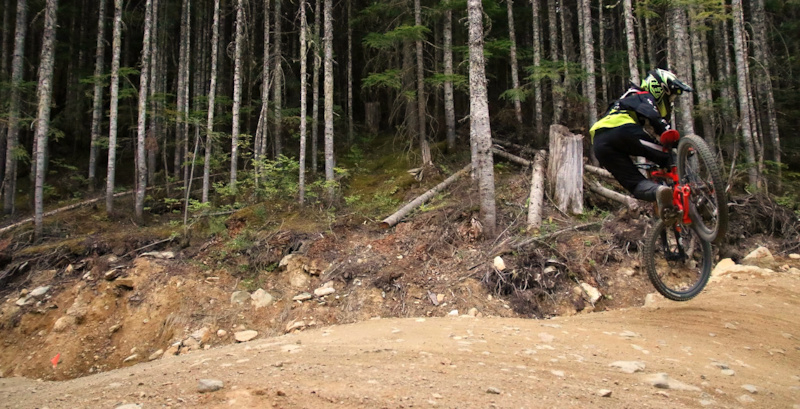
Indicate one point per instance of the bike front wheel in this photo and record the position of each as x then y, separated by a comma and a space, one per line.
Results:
708, 204
678, 260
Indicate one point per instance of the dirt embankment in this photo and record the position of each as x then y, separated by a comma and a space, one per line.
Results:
736, 345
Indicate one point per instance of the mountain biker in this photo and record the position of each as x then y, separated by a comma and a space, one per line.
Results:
620, 134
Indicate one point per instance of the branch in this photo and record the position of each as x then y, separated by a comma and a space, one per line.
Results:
395, 218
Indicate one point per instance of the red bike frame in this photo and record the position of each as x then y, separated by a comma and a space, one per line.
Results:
680, 193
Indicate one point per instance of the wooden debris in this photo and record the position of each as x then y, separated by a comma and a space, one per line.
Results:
537, 191
395, 218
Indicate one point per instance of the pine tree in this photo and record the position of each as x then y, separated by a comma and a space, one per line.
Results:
303, 102
212, 92
237, 90
12, 141
328, 88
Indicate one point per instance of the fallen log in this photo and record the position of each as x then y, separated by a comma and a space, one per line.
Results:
628, 201
537, 191
522, 149
513, 158
395, 218
598, 171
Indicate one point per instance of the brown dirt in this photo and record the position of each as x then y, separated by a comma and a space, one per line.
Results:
746, 322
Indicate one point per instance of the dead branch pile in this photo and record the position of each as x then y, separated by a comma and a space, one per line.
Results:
761, 214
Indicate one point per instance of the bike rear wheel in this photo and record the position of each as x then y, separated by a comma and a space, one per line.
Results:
708, 204
677, 260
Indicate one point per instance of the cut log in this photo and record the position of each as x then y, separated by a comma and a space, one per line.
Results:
565, 169
628, 201
513, 158
598, 171
537, 191
395, 218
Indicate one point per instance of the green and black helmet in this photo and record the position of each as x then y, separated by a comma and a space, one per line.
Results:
664, 86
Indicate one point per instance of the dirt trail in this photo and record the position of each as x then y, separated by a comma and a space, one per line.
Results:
736, 345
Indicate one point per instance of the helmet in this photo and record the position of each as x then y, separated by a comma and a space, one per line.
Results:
663, 85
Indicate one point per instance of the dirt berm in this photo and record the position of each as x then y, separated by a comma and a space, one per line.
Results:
736, 345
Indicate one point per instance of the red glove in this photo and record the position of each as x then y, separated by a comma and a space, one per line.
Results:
670, 137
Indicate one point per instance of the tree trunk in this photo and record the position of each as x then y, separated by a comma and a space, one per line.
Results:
277, 96
682, 68
303, 100
565, 169
761, 53
263, 122
567, 54
479, 117
537, 83
181, 121
512, 36
449, 104
588, 48
537, 191
328, 88
141, 165
424, 147
4, 78
97, 105
212, 93
702, 77
45, 91
557, 87
12, 141
724, 72
601, 23
315, 90
739, 47
237, 91
631, 40
350, 130
114, 107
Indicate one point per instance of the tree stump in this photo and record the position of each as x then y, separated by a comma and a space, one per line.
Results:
372, 113
565, 169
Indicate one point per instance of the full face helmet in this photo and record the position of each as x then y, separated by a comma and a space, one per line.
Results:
665, 87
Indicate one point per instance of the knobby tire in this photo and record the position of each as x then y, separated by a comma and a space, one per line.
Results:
708, 207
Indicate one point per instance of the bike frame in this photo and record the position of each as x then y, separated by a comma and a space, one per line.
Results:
680, 193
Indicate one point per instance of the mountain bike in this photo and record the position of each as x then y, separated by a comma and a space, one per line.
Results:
677, 254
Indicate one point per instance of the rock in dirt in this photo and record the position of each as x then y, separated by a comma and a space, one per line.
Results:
209, 385
588, 292
64, 323
39, 292
240, 297
261, 298
760, 257
499, 264
156, 355
794, 256
129, 406
663, 381
605, 393
244, 336
295, 325
302, 297
493, 390
323, 291
628, 366
750, 388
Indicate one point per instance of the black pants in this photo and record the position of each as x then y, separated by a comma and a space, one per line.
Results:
614, 147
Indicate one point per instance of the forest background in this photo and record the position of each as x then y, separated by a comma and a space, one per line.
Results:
258, 98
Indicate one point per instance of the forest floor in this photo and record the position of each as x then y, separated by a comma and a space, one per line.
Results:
359, 316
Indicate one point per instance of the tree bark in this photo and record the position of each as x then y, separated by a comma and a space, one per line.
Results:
350, 129
512, 36
479, 118
4, 78
212, 93
557, 86
277, 89
588, 48
565, 169
114, 107
398, 215
151, 136
237, 91
45, 91
537, 191
724, 72
97, 104
702, 76
328, 90
682, 68
512, 158
628, 201
181, 96
303, 100
315, 91
144, 79
601, 23
744, 103
12, 140
424, 147
537, 83
263, 122
630, 37
761, 54
449, 104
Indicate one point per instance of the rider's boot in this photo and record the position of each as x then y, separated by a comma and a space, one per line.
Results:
664, 201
